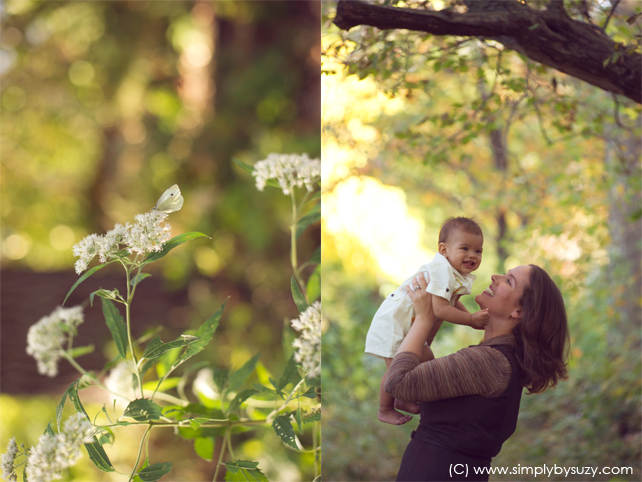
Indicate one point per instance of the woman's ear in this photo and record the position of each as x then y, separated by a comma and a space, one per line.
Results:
517, 313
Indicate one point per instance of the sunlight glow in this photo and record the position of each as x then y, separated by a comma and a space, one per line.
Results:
364, 210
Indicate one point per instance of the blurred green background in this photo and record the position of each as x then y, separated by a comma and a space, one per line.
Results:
104, 106
417, 128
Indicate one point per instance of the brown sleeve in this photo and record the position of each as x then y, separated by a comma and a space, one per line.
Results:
472, 371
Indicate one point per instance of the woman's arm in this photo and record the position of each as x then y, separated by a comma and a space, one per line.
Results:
478, 370
423, 327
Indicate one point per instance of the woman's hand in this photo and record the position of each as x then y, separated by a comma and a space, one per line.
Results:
421, 299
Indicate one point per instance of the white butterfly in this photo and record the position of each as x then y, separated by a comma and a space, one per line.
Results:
171, 200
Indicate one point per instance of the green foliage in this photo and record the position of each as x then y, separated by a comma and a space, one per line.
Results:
154, 472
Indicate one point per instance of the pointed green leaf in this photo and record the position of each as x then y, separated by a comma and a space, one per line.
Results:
143, 410
87, 274
105, 294
244, 471
316, 256
290, 374
81, 350
196, 422
240, 398
312, 416
284, 430
246, 167
155, 471
95, 451
48, 430
297, 417
313, 289
157, 348
304, 222
116, 326
205, 333
238, 377
61, 404
298, 297
138, 278
204, 447
221, 378
171, 244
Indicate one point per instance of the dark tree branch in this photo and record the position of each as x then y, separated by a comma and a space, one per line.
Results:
549, 37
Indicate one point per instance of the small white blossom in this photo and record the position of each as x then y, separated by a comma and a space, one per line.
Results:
45, 338
289, 170
55, 453
148, 234
8, 461
122, 381
308, 345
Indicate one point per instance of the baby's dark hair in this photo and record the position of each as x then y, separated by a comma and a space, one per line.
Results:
468, 225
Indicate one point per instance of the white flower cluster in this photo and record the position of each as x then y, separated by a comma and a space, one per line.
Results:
308, 345
58, 452
289, 170
45, 338
147, 235
122, 381
8, 461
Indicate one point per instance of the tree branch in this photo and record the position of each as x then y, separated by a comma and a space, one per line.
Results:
549, 37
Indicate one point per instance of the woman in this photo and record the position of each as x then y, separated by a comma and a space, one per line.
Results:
469, 400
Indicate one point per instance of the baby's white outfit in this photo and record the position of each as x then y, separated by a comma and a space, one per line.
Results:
392, 320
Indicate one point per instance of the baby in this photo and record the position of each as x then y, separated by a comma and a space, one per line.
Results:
460, 253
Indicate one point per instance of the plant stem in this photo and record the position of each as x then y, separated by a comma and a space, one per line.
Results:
316, 452
140, 451
293, 254
130, 296
271, 416
220, 456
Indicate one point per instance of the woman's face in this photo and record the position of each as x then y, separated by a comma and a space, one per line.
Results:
503, 296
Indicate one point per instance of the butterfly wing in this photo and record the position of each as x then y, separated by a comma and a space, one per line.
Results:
171, 200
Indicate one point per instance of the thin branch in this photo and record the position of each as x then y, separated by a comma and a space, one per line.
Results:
615, 4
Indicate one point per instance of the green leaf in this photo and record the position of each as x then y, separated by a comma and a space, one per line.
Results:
81, 350
534, 26
155, 471
138, 278
87, 274
205, 333
312, 416
298, 297
316, 256
240, 398
297, 417
171, 244
238, 377
48, 429
303, 223
95, 451
221, 377
246, 167
284, 430
143, 410
204, 447
157, 348
290, 373
61, 404
244, 471
105, 294
197, 422
116, 326
167, 384
313, 289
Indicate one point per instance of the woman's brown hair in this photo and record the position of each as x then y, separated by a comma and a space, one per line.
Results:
542, 334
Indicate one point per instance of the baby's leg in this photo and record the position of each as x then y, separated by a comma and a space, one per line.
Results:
387, 404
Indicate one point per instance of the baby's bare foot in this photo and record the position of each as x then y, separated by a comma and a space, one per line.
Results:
409, 407
393, 417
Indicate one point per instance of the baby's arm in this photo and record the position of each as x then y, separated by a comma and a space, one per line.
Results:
455, 315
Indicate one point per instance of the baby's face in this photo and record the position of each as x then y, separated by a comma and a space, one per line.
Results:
463, 251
